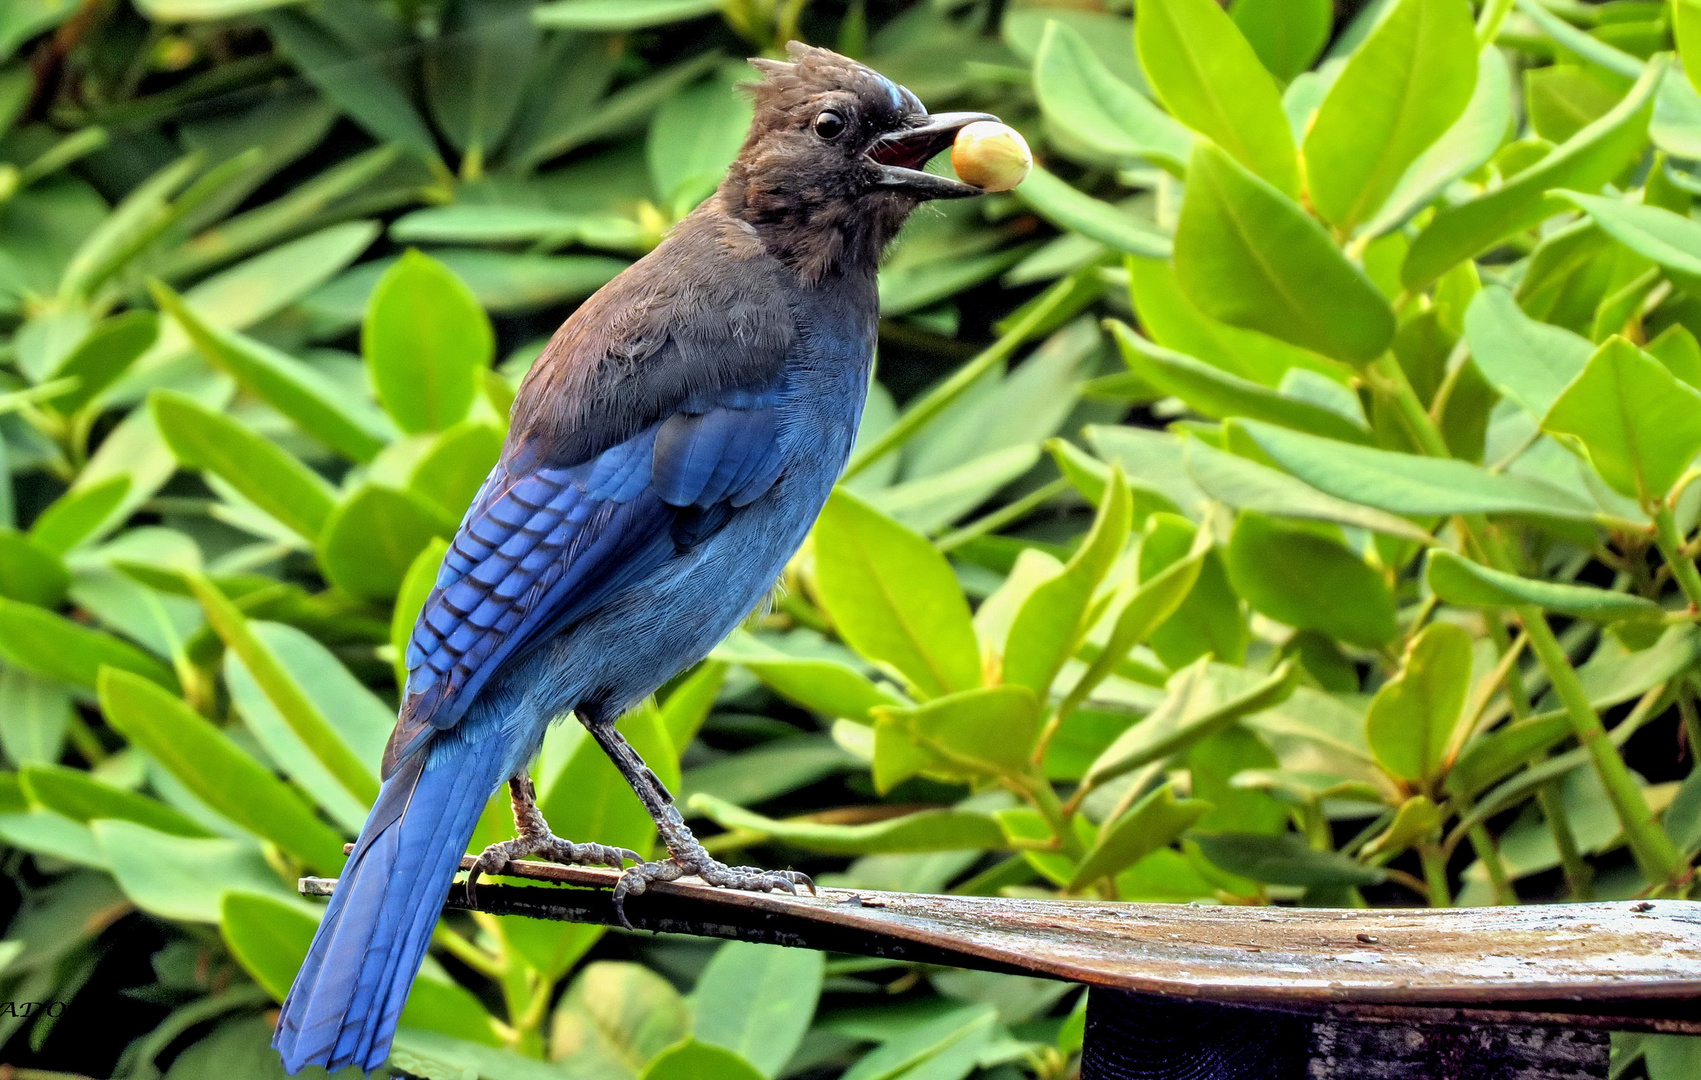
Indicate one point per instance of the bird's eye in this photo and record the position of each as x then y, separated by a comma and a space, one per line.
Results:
829, 125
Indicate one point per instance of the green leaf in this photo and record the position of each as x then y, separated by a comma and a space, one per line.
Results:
373, 536
1200, 700
758, 1001
1461, 150
455, 466
425, 340
1248, 255
1285, 860
1152, 823
1636, 422
55, 648
1246, 485
1529, 361
1412, 719
179, 877
945, 1048
1068, 208
291, 387
1409, 484
470, 73
619, 14
1287, 35
1686, 29
893, 598
216, 770
81, 797
1310, 581
265, 475
29, 572
269, 936
264, 653
828, 687
78, 515
1492, 757
693, 137
34, 715
1084, 100
613, 1019
989, 730
1457, 580
770, 770
1402, 88
104, 355
1056, 616
1671, 240
693, 1060
1210, 79
925, 830
1565, 98
1218, 394
1586, 161
360, 85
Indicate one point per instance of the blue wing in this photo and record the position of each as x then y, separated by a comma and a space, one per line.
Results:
542, 545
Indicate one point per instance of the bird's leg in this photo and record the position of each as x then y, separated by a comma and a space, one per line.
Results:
534, 838
685, 854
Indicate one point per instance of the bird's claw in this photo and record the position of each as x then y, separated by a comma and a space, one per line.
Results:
495, 858
637, 880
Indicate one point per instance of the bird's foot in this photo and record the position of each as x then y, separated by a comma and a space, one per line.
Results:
692, 859
495, 858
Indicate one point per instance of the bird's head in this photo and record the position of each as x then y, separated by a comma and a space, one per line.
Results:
833, 162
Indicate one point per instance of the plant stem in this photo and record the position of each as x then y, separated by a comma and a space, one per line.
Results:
1488, 852
1671, 546
466, 952
1691, 720
1004, 515
1654, 851
1038, 790
936, 400
1579, 877
1435, 874
1387, 377
1494, 13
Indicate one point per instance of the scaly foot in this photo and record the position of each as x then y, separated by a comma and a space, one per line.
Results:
535, 838
692, 859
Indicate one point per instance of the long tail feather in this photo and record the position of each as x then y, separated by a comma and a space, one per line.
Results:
348, 996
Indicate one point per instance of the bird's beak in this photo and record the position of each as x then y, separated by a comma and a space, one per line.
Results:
899, 157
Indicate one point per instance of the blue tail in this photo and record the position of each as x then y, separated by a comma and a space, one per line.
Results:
349, 994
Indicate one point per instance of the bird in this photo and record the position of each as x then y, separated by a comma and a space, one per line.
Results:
667, 455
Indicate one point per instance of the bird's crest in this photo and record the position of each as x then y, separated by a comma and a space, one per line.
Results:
812, 71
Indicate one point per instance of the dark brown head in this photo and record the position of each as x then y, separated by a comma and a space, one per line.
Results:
833, 162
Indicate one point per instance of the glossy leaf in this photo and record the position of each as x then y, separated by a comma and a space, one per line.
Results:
1400, 90
1457, 580
1409, 484
1152, 823
373, 536
1637, 423
1586, 161
81, 797
1051, 624
1210, 79
1287, 35
1219, 394
288, 385
925, 830
182, 877
34, 716
30, 572
828, 687
103, 356
893, 597
1310, 581
1671, 240
1285, 860
691, 1060
254, 466
219, 773
1412, 718
1248, 255
53, 647
1529, 361
757, 1001
619, 14
425, 339
1082, 98
1068, 208
1200, 700
78, 515
989, 730
1246, 485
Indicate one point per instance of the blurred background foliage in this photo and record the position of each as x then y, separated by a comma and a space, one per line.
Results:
1284, 497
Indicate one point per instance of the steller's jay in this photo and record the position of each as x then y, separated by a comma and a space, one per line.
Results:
668, 453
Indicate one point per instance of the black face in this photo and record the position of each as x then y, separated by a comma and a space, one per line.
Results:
832, 117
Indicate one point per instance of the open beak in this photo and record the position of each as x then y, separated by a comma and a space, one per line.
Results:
899, 157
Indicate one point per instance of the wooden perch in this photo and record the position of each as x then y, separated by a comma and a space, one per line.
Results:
1618, 966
